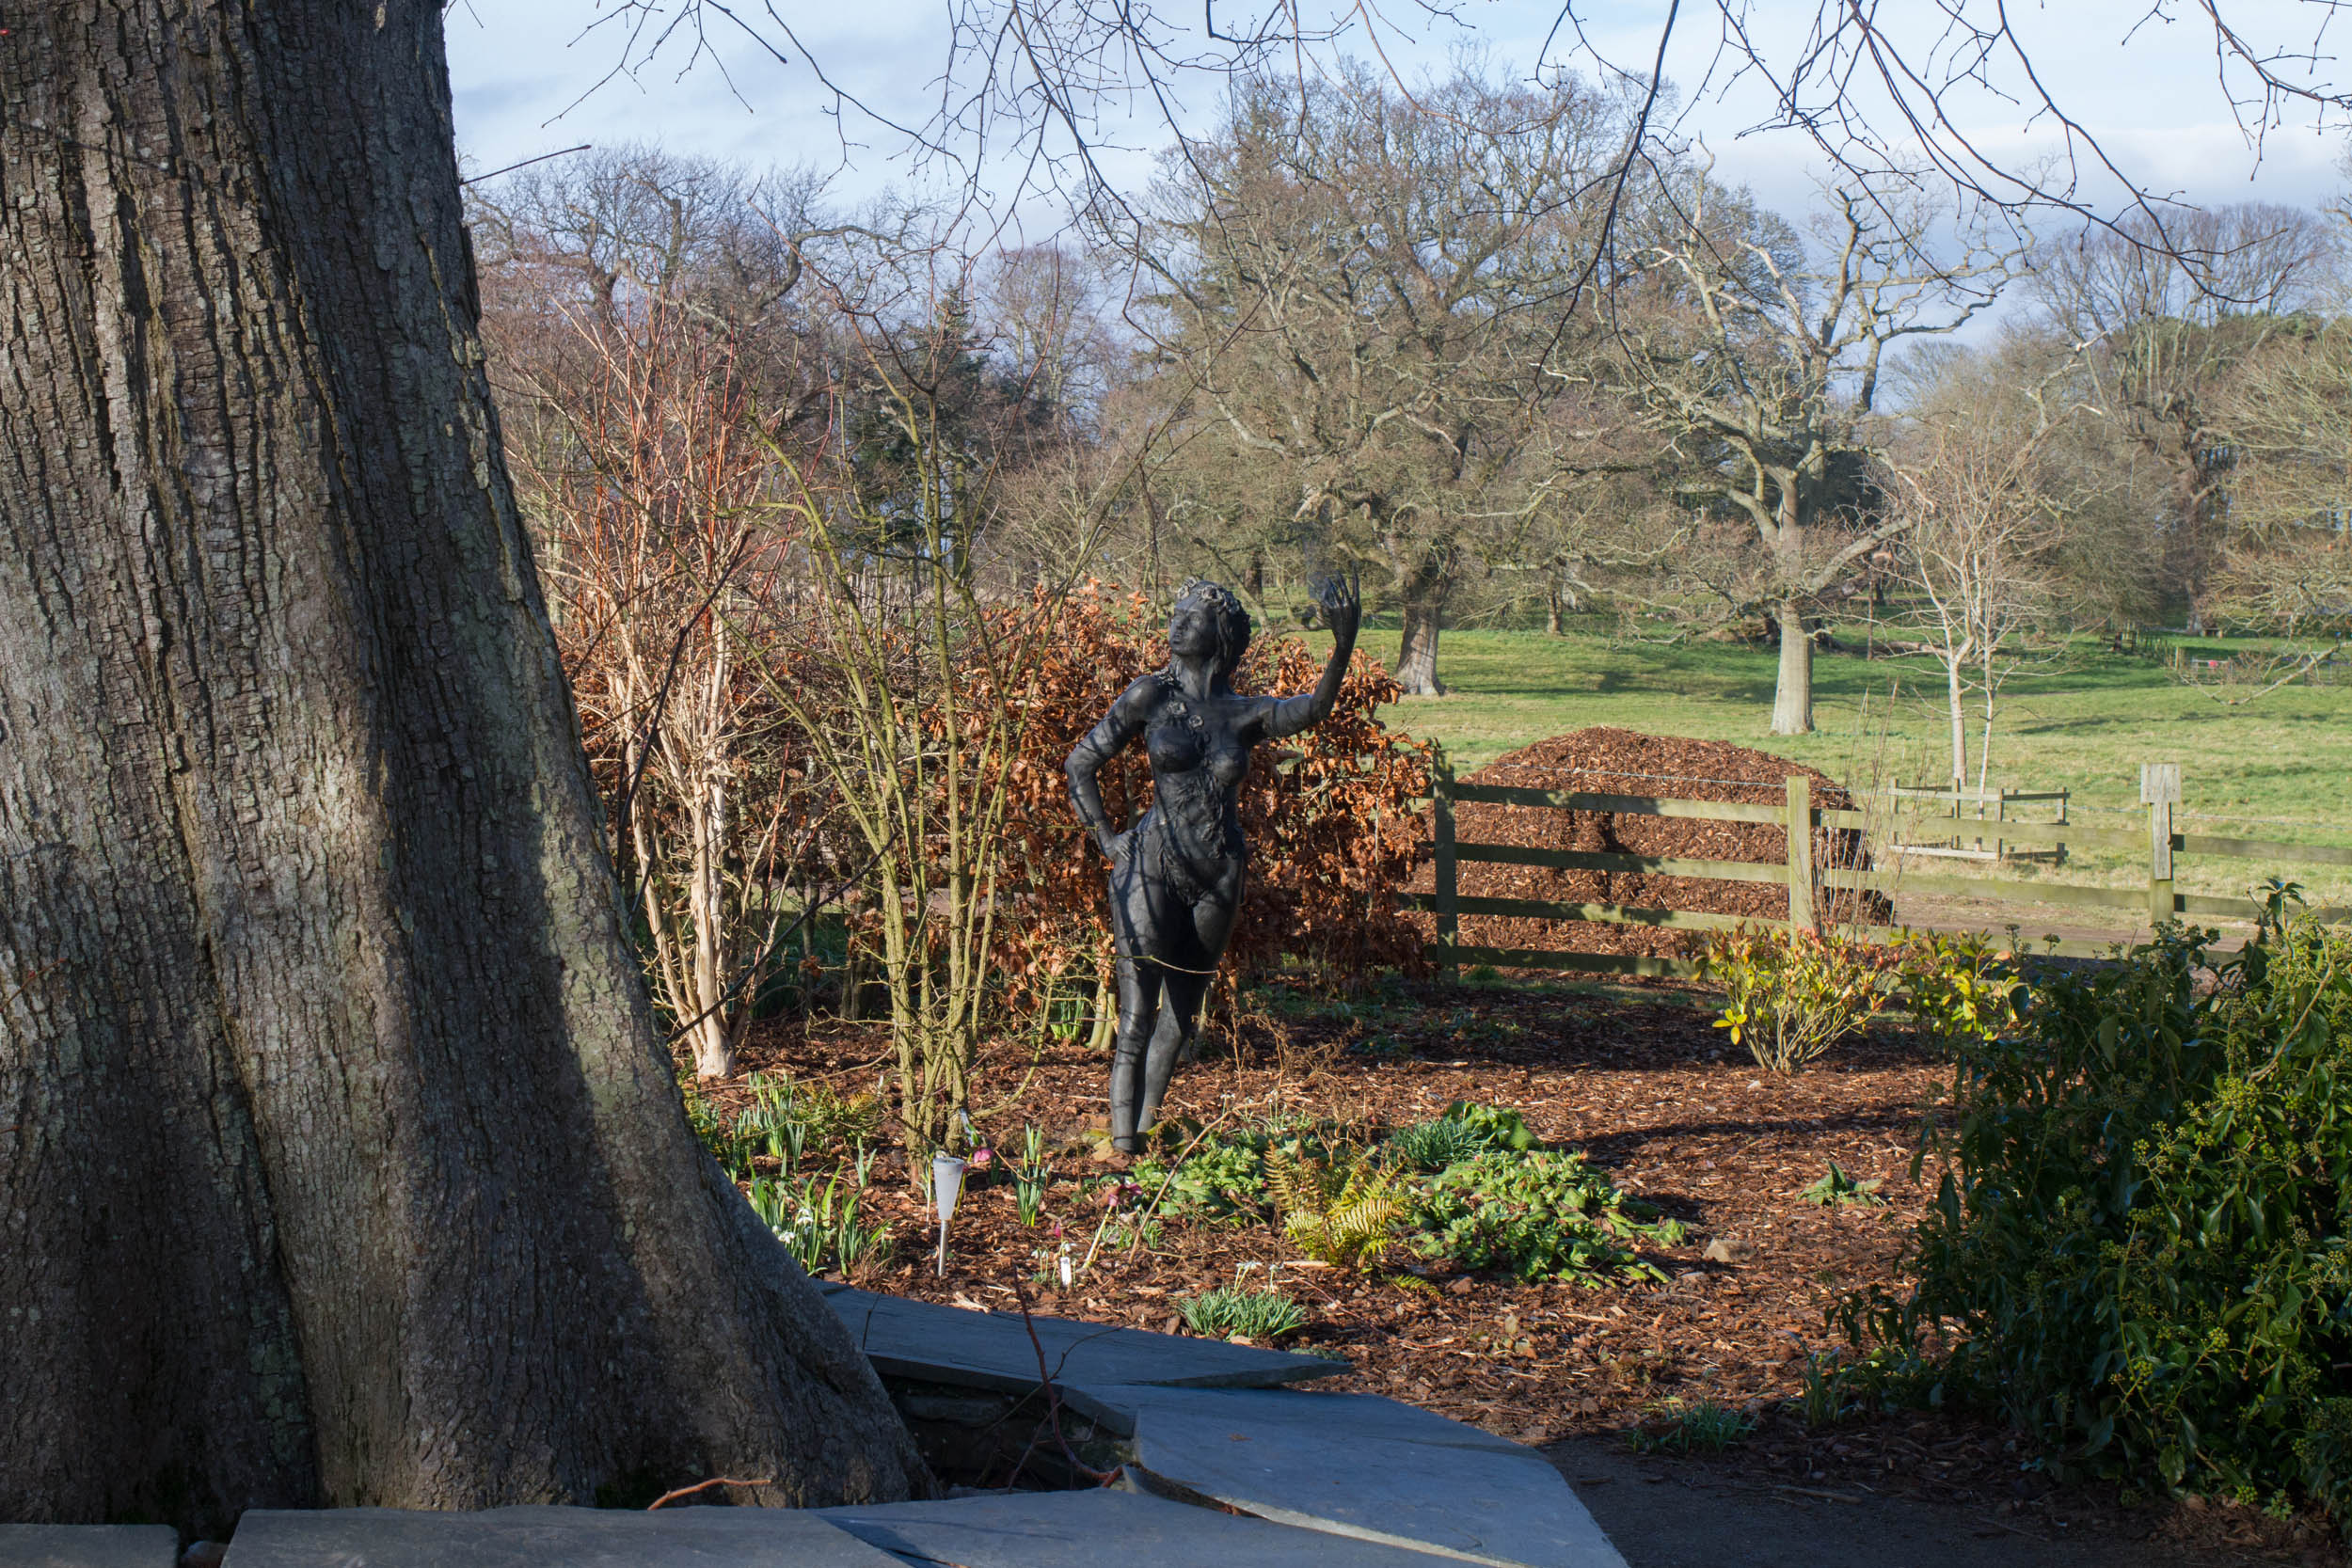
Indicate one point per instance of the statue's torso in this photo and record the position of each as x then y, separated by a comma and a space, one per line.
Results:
1198, 759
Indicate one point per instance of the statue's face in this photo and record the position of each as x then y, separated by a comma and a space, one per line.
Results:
1192, 630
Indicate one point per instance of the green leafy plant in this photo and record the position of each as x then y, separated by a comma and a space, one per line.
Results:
817, 1224
791, 1121
1961, 988
775, 1120
1031, 1176
1836, 1190
1430, 1147
2139, 1250
1239, 1311
1790, 995
726, 1140
1340, 1210
1884, 1380
1702, 1428
1221, 1180
1541, 1216
1494, 1126
1822, 1401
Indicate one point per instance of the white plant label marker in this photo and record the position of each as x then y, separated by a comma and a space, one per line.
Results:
947, 1186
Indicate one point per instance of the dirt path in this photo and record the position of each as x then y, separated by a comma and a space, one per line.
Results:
1934, 913
1664, 1512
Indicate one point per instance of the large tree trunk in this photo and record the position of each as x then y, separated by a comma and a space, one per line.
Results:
1792, 698
1417, 650
1424, 595
338, 1160
1559, 599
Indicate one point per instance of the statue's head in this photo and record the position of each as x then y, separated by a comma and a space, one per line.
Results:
1209, 622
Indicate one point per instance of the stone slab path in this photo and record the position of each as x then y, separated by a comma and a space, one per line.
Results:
1107, 1529
993, 1350
89, 1547
547, 1538
1220, 1464
1365, 1468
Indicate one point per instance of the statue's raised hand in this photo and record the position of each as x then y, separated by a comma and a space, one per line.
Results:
1341, 603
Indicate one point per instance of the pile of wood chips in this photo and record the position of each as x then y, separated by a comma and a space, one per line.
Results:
1609, 760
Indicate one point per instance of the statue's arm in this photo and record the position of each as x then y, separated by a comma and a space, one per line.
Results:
1121, 725
1343, 611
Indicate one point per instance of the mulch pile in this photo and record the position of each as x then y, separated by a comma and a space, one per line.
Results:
1605, 760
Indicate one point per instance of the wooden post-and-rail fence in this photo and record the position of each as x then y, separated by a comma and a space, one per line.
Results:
2160, 791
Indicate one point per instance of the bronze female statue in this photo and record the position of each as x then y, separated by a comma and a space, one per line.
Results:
1176, 876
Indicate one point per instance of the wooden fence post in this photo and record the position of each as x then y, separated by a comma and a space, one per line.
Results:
2160, 791
1442, 809
1800, 851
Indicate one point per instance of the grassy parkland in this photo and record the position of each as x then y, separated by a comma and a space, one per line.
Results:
2278, 768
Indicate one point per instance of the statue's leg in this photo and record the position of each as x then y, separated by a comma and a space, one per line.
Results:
1180, 1014
1139, 1011
1137, 929
1211, 925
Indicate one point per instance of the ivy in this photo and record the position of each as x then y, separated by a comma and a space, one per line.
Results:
2138, 1250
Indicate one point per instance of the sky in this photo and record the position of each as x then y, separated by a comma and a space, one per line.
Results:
533, 76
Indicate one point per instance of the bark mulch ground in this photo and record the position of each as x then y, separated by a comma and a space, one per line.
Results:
1638, 1078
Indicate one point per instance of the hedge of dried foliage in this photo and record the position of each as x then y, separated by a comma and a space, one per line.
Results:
1333, 828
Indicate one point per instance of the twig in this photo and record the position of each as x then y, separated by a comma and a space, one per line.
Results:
1052, 1401
510, 169
1174, 1166
702, 1486
1152, 1207
736, 986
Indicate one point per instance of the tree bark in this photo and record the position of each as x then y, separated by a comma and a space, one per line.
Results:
1559, 599
1424, 594
339, 1162
1959, 718
1792, 697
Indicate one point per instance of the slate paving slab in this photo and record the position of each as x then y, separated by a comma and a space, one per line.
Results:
546, 1537
1344, 1463
89, 1547
993, 1350
1103, 1529
1304, 1414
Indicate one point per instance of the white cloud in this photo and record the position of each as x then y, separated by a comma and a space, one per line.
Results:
2151, 97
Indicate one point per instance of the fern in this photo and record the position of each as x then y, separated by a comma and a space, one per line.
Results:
1340, 1210
1295, 1184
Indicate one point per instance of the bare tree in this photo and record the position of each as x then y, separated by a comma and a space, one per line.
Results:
649, 349
635, 221
2167, 329
2285, 414
1032, 88
1048, 320
1983, 526
904, 683
662, 545
1362, 285
1762, 363
2287, 568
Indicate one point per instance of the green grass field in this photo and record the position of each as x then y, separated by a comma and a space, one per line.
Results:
2279, 767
